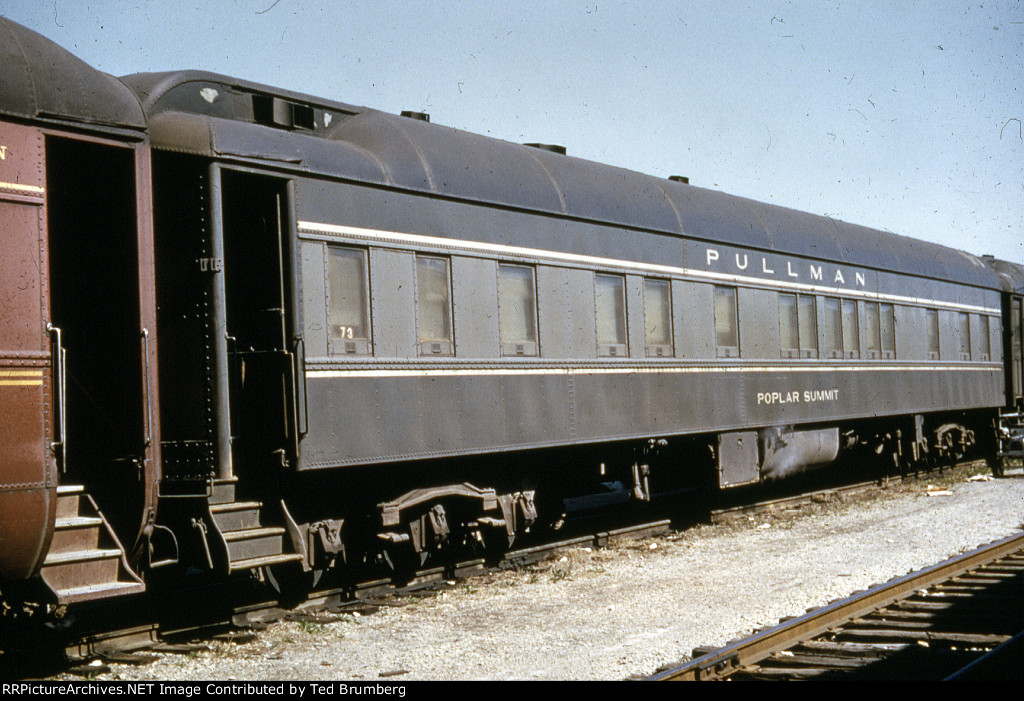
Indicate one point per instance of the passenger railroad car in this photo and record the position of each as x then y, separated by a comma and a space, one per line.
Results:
248, 330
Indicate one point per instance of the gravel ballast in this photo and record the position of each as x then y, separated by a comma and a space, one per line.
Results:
625, 611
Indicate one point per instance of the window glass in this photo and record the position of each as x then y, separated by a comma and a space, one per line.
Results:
808, 326
873, 336
887, 330
610, 302
986, 339
658, 317
788, 326
833, 328
963, 321
727, 335
798, 327
433, 305
517, 310
932, 322
851, 329
347, 283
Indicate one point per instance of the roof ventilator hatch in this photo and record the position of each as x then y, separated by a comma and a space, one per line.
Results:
276, 112
553, 148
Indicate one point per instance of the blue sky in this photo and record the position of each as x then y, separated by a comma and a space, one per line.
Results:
905, 116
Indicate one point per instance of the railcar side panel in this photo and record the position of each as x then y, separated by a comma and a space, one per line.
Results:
694, 328
1015, 348
313, 280
388, 415
378, 215
759, 323
385, 415
567, 315
185, 271
393, 303
578, 390
475, 287
28, 480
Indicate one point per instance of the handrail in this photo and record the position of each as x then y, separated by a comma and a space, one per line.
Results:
301, 426
149, 396
60, 366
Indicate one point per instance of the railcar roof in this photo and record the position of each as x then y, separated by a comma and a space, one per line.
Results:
1011, 273
212, 114
42, 81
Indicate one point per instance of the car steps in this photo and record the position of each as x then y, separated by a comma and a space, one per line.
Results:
248, 543
85, 561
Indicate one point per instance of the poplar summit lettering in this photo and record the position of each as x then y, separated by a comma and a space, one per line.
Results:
808, 396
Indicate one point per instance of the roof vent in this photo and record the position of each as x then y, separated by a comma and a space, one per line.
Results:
275, 112
554, 148
679, 179
422, 116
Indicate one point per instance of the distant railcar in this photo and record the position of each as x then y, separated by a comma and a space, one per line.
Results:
244, 329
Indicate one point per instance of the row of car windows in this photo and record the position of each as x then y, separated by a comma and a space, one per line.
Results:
348, 286
799, 334
350, 333
798, 328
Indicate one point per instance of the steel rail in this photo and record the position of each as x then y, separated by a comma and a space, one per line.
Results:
150, 635
775, 506
145, 633
725, 661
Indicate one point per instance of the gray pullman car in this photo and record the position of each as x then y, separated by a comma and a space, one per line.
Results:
459, 295
340, 336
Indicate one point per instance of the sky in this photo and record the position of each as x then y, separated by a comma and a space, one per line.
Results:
904, 116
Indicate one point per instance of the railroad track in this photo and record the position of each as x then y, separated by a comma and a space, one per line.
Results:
960, 619
730, 514
727, 514
146, 634
152, 629
367, 596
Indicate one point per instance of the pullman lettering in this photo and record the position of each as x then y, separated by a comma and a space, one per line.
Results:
745, 263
